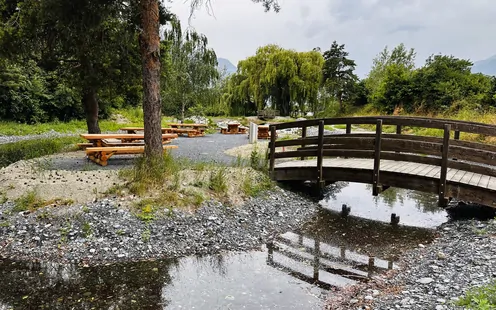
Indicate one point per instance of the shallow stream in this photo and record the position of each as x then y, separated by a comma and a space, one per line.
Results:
295, 271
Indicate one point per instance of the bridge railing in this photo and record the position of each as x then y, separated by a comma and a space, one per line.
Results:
447, 151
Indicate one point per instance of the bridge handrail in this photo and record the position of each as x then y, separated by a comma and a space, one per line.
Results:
444, 152
401, 121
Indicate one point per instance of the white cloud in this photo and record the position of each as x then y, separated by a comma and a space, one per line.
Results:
238, 27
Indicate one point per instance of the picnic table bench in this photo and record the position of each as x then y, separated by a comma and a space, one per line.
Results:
263, 132
233, 128
104, 146
199, 128
189, 132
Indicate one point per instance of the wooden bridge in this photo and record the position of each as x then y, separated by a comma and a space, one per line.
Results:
448, 165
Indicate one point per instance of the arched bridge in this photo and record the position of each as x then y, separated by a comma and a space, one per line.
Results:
441, 162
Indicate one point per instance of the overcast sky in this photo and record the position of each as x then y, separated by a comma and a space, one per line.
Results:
236, 28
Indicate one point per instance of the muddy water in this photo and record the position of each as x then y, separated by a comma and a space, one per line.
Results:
295, 271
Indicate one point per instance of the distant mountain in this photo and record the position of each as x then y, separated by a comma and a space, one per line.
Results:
226, 65
486, 66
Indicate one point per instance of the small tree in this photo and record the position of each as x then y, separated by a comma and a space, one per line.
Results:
337, 72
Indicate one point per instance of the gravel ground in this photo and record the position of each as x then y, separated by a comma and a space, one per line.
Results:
432, 276
209, 148
103, 232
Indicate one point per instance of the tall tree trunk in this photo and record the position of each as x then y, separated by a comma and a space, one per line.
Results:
90, 103
340, 100
150, 55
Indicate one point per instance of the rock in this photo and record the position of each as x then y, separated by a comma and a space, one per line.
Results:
425, 280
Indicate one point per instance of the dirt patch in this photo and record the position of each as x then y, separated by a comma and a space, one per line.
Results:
245, 151
79, 185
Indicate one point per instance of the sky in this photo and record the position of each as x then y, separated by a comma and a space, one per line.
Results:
236, 28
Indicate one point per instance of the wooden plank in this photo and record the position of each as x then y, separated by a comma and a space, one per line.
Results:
462, 126
474, 180
492, 183
124, 149
458, 176
122, 136
466, 177
484, 181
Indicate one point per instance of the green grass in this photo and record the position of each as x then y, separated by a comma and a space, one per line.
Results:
480, 298
133, 116
28, 149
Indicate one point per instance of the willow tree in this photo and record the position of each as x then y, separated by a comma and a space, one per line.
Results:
190, 68
283, 79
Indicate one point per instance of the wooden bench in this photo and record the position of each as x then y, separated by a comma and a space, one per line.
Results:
101, 155
198, 128
99, 139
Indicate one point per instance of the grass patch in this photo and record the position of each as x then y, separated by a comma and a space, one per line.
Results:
31, 201
480, 298
28, 149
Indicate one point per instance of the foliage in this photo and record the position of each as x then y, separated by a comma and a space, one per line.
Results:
28, 149
480, 298
337, 71
285, 80
189, 69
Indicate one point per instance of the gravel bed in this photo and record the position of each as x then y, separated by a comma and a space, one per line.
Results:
432, 276
103, 232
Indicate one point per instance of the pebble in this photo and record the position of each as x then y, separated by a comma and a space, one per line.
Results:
117, 235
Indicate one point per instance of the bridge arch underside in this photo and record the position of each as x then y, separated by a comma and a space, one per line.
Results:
462, 185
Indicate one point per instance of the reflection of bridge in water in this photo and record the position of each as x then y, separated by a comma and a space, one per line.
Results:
320, 263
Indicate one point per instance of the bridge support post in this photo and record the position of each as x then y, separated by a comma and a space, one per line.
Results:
443, 201
272, 152
320, 155
303, 136
377, 158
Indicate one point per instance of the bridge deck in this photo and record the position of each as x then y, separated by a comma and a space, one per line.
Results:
400, 167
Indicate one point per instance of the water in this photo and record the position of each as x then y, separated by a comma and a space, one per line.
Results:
414, 208
295, 271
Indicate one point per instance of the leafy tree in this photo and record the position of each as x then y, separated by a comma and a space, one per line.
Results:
283, 79
88, 42
190, 69
337, 72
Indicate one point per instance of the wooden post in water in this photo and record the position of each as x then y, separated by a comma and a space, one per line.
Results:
320, 155
316, 259
272, 148
303, 136
377, 158
444, 167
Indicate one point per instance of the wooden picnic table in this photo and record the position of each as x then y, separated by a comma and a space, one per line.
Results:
186, 131
263, 132
233, 128
199, 128
103, 139
104, 146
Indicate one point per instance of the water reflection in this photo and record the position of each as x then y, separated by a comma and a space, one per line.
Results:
322, 264
294, 272
57, 286
414, 208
